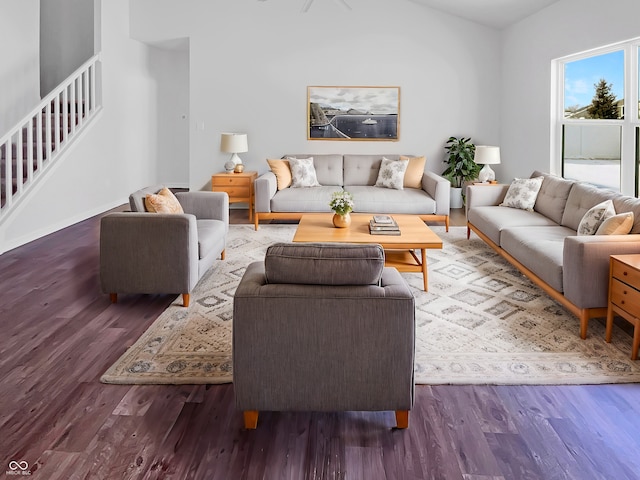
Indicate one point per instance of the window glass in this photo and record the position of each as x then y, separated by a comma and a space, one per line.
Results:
592, 153
594, 87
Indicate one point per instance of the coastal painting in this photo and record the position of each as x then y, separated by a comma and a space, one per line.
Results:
353, 113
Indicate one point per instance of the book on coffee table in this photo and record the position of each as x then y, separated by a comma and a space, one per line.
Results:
383, 226
383, 220
384, 232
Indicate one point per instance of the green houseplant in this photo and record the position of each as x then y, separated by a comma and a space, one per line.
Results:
460, 167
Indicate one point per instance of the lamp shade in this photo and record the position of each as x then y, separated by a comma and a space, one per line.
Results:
234, 143
486, 155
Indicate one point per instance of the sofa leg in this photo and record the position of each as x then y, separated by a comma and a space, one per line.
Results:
584, 323
250, 419
446, 223
222, 254
113, 297
185, 299
255, 220
402, 418
468, 232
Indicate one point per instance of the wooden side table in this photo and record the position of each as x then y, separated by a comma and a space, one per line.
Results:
624, 295
239, 187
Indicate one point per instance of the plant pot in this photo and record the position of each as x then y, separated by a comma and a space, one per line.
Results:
455, 198
341, 221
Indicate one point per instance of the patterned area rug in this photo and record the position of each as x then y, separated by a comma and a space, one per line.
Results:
481, 322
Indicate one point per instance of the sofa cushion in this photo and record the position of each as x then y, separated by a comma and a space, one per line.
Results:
620, 224
210, 233
492, 219
522, 193
328, 168
540, 249
363, 169
303, 173
581, 198
162, 202
594, 217
391, 173
313, 199
552, 196
623, 203
324, 264
415, 171
282, 170
385, 200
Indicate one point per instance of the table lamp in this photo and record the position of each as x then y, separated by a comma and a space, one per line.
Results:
486, 155
234, 143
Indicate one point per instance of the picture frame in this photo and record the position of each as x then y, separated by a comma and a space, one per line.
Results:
353, 113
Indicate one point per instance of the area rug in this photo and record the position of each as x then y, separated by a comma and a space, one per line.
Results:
482, 322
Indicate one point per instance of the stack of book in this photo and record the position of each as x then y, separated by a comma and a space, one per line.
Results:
383, 225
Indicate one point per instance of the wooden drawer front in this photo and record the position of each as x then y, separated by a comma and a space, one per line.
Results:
230, 181
623, 272
233, 192
625, 297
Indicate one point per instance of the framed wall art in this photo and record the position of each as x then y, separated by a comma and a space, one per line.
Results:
353, 113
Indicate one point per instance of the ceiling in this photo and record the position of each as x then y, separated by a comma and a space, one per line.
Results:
492, 13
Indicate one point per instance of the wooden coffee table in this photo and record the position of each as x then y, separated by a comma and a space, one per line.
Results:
400, 250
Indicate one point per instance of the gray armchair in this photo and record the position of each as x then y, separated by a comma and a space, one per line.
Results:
323, 327
143, 252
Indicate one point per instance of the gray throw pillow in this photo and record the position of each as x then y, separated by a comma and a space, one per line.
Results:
303, 173
391, 173
594, 217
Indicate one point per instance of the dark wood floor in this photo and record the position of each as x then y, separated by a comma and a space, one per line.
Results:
59, 333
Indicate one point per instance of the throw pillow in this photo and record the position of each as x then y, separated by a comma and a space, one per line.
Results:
163, 202
522, 193
619, 224
391, 173
415, 170
303, 173
282, 171
594, 217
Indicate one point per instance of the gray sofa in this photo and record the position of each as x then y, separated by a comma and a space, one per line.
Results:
544, 245
356, 174
323, 327
142, 252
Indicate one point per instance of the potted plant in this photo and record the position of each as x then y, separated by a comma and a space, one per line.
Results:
342, 205
460, 167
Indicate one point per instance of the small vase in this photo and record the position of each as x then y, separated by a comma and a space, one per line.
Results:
341, 221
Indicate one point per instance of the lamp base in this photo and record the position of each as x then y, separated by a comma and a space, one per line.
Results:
235, 159
486, 174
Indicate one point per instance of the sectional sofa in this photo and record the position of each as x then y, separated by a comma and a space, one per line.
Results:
544, 244
357, 174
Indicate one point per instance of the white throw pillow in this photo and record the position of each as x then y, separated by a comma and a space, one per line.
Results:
594, 217
391, 173
522, 193
303, 173
619, 224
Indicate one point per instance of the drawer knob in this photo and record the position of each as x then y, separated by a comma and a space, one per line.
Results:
624, 273
622, 302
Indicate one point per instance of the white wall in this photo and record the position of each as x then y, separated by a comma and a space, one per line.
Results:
66, 41
117, 155
566, 27
251, 62
19, 69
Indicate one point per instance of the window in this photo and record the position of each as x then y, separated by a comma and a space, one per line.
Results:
597, 117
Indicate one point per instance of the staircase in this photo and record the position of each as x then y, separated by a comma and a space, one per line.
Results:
29, 150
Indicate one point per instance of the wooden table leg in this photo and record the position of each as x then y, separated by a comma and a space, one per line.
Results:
609, 329
425, 274
636, 341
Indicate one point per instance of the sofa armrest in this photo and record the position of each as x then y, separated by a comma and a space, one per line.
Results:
265, 187
484, 195
205, 205
148, 253
585, 268
438, 188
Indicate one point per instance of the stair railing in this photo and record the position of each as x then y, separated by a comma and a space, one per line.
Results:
29, 149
